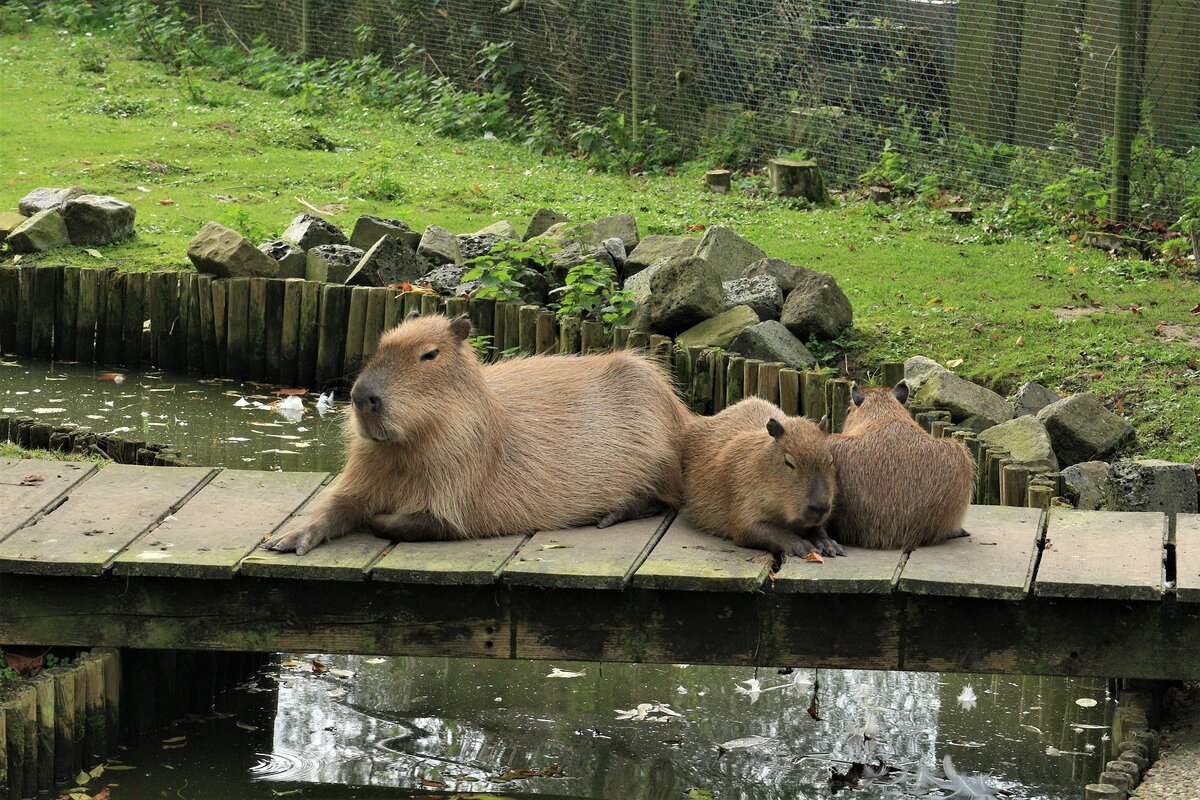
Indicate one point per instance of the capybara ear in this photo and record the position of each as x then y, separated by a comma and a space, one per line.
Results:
824, 423
461, 326
410, 316
774, 428
856, 394
901, 392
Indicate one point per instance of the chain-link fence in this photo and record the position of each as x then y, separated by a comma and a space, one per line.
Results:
974, 91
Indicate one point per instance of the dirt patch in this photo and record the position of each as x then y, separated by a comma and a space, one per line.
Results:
1179, 333
1073, 312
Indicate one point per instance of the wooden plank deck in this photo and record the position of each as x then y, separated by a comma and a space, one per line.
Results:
125, 556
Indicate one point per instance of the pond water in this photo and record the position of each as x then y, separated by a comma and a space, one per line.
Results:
404, 727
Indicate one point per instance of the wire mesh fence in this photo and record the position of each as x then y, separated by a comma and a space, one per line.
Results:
975, 92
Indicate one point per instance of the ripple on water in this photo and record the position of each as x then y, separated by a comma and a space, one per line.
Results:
282, 766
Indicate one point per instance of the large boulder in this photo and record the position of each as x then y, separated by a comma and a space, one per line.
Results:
761, 293
771, 341
44, 199
917, 369
1153, 485
224, 252
43, 231
293, 263
575, 254
961, 398
440, 246
446, 278
655, 249
543, 219
504, 229
1026, 439
368, 230
639, 286
721, 330
307, 232
729, 253
473, 245
1032, 398
683, 292
332, 263
1086, 485
98, 219
785, 274
817, 307
389, 261
1082, 429
618, 226
9, 220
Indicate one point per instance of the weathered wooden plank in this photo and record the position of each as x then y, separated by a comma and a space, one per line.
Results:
23, 335
85, 316
220, 304
335, 301
221, 524
22, 497
189, 304
114, 320
460, 563
256, 328
546, 337
99, 519
273, 327
66, 312
237, 320
170, 354
432, 304
789, 392
289, 335
133, 318
45, 297
10, 298
996, 561
310, 332
393, 309
210, 363
528, 329
356, 323
373, 324
1187, 558
1102, 554
813, 392
687, 558
860, 571
587, 557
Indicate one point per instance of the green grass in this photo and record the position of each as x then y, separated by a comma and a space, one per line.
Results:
920, 284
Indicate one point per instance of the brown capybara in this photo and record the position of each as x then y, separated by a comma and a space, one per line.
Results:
444, 447
898, 487
760, 478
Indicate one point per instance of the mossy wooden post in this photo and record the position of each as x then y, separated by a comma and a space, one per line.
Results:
735, 379
220, 299
1039, 494
237, 300
356, 322
86, 319
111, 660
273, 325
66, 765
682, 373
639, 340
310, 332
83, 742
483, 316
393, 310
659, 348
718, 365
592, 338
1014, 479
528, 329
750, 377
289, 333
97, 728
789, 392
4, 773
24, 333
431, 304
412, 302
65, 312
792, 178
768, 381
13, 716
335, 303
195, 322
134, 318
455, 307
996, 477
892, 374
42, 316
208, 342
569, 335
43, 687
173, 348
10, 298
718, 181
814, 395
256, 352
545, 338
499, 323
114, 321
27, 696
373, 325
620, 337
512, 325
837, 402
692, 365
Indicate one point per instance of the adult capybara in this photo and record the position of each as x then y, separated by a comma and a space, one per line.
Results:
444, 447
760, 478
898, 487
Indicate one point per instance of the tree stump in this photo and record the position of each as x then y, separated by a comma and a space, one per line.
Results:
718, 180
791, 178
961, 214
879, 194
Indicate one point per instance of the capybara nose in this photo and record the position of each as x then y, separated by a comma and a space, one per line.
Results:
818, 510
366, 400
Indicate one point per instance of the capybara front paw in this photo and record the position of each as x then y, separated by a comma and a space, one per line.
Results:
827, 546
300, 540
799, 546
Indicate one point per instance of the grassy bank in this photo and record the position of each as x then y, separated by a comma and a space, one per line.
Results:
77, 110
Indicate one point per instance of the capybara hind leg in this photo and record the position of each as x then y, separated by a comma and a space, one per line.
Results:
419, 527
638, 509
822, 543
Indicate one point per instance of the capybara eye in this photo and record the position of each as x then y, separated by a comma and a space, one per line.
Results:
790, 463
429, 356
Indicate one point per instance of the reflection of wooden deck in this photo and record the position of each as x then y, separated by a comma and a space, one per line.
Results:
167, 558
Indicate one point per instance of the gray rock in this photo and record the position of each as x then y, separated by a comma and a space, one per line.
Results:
1082, 429
446, 278
43, 231
656, 249
729, 253
98, 219
368, 230
332, 263
1032, 398
1153, 485
224, 252
618, 226
771, 341
543, 219
684, 292
616, 251
1086, 485
639, 286
574, 254
43, 199
719, 331
293, 263
473, 245
976, 423
785, 274
9, 220
307, 232
440, 246
816, 307
917, 369
504, 229
961, 398
762, 293
1026, 439
389, 261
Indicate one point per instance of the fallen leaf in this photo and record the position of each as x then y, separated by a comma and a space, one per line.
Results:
1020, 341
1195, 310
341, 673
1074, 237
935, 300
556, 546
31, 480
375, 661
743, 743
101, 795
1086, 702
954, 363
555, 672
82, 778
432, 784
97, 771
246, 726
25, 665
166, 202
696, 228
1135, 308
814, 556
93, 253
175, 740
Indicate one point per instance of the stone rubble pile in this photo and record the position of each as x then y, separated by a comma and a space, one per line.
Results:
48, 218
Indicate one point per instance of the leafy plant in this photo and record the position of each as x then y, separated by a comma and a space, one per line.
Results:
1083, 190
893, 169
614, 144
591, 293
500, 271
1189, 224
482, 345
240, 220
91, 58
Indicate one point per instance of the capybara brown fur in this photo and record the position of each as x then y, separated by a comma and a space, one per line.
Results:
760, 478
444, 447
898, 487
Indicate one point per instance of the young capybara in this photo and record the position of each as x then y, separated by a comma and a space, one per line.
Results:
760, 478
444, 447
898, 487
